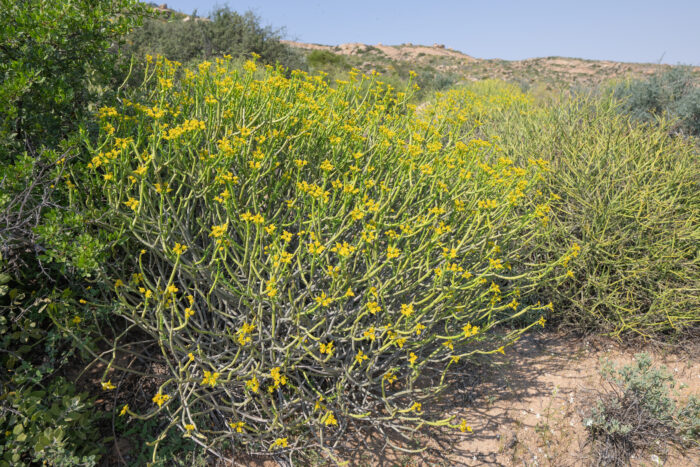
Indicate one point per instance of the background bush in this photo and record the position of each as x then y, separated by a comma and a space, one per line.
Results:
224, 32
673, 93
627, 194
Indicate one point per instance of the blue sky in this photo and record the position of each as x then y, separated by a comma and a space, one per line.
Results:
622, 30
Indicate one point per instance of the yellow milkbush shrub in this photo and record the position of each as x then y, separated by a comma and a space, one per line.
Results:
311, 257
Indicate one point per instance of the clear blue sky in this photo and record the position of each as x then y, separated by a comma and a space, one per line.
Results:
621, 30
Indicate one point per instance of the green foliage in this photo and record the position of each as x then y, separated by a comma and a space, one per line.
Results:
54, 56
51, 424
628, 195
635, 412
324, 58
308, 258
225, 32
674, 93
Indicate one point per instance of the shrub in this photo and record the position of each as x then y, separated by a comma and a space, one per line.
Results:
308, 259
54, 56
673, 92
225, 32
324, 58
53, 425
634, 413
627, 194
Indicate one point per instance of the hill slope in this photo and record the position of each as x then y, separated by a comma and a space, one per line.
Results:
553, 71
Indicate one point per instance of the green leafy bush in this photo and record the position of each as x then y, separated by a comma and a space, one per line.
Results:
627, 194
54, 56
51, 424
634, 413
324, 58
224, 32
309, 259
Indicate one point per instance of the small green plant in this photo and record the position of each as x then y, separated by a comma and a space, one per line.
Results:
634, 413
51, 424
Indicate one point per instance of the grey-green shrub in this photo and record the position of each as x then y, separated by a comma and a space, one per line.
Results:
673, 92
634, 413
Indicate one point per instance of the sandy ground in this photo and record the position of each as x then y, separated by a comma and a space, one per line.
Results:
527, 408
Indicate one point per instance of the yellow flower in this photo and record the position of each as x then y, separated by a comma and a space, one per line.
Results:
406, 310
172, 289
470, 330
238, 426
161, 399
315, 247
541, 321
357, 214
118, 283
189, 427
190, 357
76, 320
270, 228
412, 358
392, 252
210, 378
253, 384
326, 348
279, 443
327, 166
132, 203
218, 231
349, 293
343, 249
108, 386
160, 188
124, 410
250, 67
286, 236
417, 407
501, 350
464, 427
179, 249
329, 419
373, 307
360, 357
323, 299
